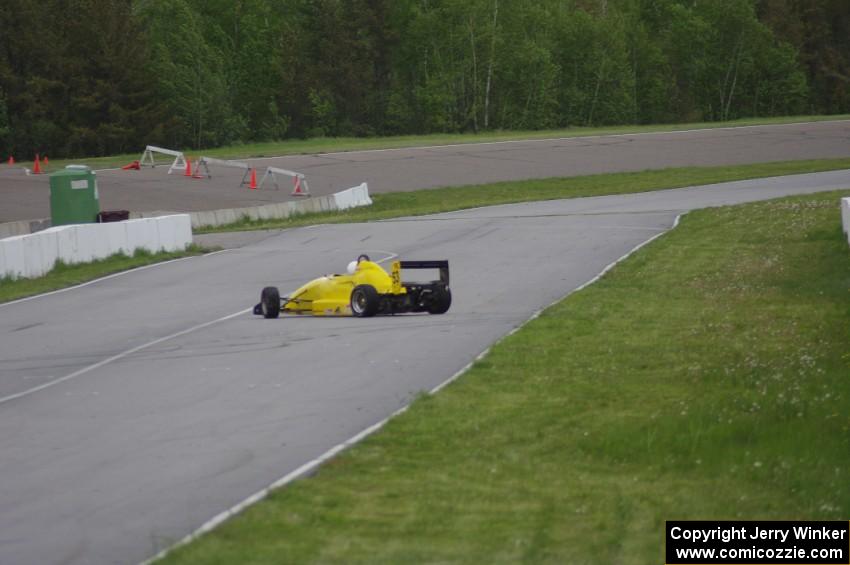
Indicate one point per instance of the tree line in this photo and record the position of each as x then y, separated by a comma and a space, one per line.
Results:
97, 77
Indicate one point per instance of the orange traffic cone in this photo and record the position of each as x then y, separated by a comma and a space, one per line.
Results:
296, 191
36, 168
253, 184
11, 160
45, 161
188, 172
134, 166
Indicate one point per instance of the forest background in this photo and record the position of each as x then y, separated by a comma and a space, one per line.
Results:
102, 77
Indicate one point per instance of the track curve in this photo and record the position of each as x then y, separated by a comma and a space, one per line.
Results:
203, 404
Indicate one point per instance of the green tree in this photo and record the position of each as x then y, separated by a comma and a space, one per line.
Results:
191, 78
597, 80
248, 34
819, 31
109, 97
106, 76
525, 70
31, 73
5, 128
728, 64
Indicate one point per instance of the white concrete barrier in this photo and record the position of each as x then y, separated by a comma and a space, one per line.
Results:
35, 254
175, 231
83, 245
227, 216
350, 198
66, 243
355, 196
40, 253
141, 234
845, 217
91, 244
201, 219
22, 227
112, 238
12, 249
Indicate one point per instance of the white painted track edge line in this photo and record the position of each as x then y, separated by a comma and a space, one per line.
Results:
538, 312
117, 357
211, 253
93, 281
311, 465
307, 467
107, 277
138, 348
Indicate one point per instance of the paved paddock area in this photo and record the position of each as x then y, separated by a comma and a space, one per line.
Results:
25, 197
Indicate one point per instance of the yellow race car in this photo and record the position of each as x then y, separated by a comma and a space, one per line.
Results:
367, 290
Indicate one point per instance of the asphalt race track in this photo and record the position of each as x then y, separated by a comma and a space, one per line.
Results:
177, 403
27, 197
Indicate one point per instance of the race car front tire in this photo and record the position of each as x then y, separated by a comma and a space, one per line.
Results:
270, 302
365, 301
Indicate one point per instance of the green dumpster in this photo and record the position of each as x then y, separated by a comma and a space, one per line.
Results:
73, 196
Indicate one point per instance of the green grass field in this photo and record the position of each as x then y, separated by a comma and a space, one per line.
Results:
325, 145
64, 275
703, 378
395, 204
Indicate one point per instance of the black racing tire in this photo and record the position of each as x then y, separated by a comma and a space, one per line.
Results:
270, 302
363, 257
365, 301
441, 301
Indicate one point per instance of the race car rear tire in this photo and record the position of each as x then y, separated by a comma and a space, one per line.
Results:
270, 302
440, 302
365, 301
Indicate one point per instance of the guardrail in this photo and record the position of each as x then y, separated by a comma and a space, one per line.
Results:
845, 217
33, 255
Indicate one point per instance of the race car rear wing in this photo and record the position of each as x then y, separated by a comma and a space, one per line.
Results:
442, 266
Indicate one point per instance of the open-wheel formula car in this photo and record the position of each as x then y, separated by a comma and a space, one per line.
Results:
367, 290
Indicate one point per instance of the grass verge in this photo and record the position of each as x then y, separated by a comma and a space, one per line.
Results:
703, 378
64, 275
325, 145
431, 201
